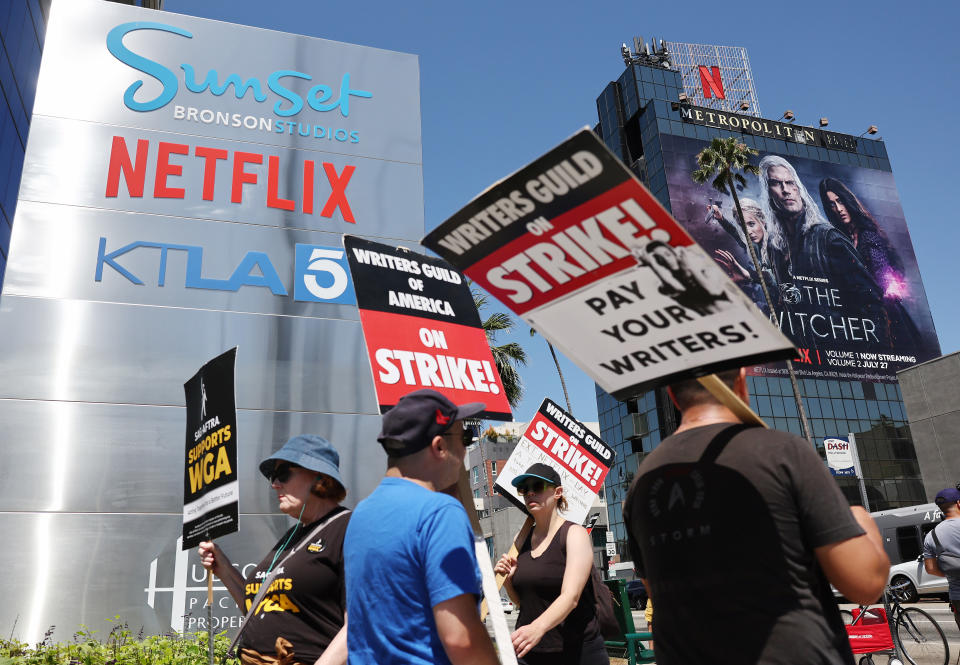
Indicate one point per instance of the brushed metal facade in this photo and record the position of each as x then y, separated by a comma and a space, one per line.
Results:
96, 349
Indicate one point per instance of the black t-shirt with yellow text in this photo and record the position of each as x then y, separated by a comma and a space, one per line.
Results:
306, 600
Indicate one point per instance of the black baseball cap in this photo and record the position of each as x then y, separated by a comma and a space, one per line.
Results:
539, 470
419, 416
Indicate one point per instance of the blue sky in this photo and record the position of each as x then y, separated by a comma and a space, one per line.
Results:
501, 83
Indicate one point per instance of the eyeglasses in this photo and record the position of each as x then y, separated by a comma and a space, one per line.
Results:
282, 472
534, 487
468, 435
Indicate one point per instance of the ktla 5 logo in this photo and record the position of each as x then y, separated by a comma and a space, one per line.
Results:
320, 273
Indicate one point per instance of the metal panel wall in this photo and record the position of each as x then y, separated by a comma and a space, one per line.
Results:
181, 177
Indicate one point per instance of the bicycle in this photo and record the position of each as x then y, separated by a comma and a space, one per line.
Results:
916, 636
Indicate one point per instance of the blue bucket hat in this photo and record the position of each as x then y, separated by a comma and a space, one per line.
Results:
309, 451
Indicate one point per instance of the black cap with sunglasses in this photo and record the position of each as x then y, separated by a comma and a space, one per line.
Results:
418, 417
540, 473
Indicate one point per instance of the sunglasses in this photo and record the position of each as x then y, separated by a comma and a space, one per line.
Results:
534, 487
469, 435
282, 472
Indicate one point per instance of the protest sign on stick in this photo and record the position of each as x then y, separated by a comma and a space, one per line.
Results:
556, 438
211, 486
576, 245
581, 458
422, 328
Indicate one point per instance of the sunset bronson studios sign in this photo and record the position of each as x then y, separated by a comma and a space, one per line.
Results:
186, 185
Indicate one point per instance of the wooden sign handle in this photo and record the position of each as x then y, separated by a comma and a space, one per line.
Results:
730, 399
514, 550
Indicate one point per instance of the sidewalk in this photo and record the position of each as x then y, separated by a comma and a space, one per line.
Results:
939, 610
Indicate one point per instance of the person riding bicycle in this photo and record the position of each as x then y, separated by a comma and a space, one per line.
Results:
943, 543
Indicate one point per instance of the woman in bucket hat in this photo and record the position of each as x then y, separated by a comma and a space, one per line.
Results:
299, 618
549, 580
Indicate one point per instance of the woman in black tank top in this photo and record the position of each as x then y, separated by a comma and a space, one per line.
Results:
549, 580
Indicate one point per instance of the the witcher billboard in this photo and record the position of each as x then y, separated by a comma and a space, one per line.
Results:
834, 252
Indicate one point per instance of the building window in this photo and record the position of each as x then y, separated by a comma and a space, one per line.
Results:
476, 474
493, 469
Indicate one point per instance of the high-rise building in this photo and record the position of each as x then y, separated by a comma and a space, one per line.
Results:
855, 324
22, 29
23, 26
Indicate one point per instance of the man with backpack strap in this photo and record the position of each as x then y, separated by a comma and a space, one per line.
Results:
941, 547
738, 532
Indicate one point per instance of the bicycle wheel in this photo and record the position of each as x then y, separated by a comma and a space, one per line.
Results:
920, 638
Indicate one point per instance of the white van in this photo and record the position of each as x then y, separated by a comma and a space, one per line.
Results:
903, 531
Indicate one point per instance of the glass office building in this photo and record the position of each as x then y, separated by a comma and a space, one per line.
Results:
849, 350
22, 28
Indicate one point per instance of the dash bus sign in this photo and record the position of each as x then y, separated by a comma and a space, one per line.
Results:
839, 456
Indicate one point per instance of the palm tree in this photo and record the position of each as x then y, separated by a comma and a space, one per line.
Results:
505, 356
563, 384
724, 161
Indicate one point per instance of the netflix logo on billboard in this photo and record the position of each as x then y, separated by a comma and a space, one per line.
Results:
711, 82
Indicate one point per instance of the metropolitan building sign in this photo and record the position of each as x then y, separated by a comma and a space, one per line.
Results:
768, 128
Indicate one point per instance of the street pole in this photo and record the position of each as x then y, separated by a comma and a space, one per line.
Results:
857, 470
210, 614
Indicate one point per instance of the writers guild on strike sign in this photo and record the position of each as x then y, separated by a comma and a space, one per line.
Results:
603, 271
556, 438
421, 327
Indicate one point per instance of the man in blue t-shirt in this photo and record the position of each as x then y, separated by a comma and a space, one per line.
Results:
948, 533
412, 576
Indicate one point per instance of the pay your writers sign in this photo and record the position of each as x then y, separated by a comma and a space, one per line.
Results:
575, 245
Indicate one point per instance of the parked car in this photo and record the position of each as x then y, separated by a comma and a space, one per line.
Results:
919, 581
637, 594
506, 604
